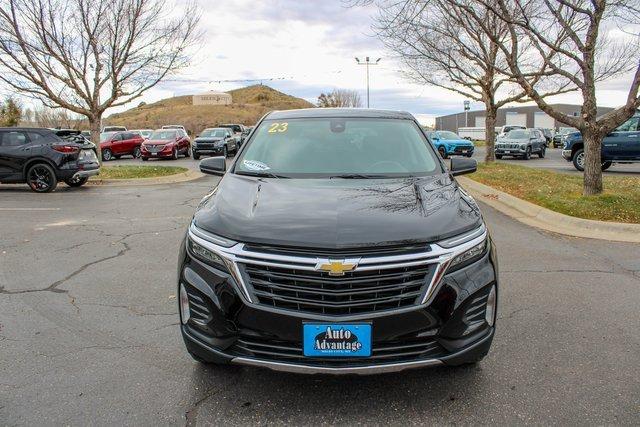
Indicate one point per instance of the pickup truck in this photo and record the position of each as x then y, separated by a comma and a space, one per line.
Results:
622, 145
240, 132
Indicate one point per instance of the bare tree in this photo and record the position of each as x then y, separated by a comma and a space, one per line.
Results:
439, 44
89, 55
582, 42
58, 118
340, 98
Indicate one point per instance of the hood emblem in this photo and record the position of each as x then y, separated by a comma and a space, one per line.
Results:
336, 267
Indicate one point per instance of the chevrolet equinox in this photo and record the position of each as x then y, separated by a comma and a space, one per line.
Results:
338, 242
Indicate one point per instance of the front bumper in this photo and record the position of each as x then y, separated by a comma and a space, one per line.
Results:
460, 150
208, 149
510, 151
227, 328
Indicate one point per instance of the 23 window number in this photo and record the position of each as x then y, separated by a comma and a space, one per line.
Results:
278, 127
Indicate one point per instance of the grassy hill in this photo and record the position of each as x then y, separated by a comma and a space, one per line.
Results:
249, 104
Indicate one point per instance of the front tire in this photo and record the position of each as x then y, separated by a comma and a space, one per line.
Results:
196, 155
606, 165
527, 154
225, 152
78, 182
137, 153
41, 178
498, 156
542, 152
578, 160
174, 155
188, 153
443, 152
107, 155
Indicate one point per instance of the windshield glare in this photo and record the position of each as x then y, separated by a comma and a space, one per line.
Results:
518, 134
106, 135
163, 135
446, 135
213, 133
332, 147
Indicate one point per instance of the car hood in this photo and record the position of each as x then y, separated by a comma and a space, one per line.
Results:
158, 141
208, 139
513, 141
337, 213
457, 142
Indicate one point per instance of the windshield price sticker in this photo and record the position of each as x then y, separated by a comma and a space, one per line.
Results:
255, 165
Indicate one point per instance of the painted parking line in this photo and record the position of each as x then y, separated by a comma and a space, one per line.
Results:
29, 209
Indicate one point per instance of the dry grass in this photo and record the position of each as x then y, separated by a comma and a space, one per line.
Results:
562, 193
249, 104
134, 172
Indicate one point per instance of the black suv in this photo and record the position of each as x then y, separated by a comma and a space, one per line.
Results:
338, 242
42, 157
620, 146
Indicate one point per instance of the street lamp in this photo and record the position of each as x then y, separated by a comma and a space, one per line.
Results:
367, 62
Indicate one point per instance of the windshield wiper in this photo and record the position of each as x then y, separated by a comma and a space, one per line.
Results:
357, 176
261, 174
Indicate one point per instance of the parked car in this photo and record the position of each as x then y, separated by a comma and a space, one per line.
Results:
558, 138
114, 129
215, 141
166, 143
620, 146
548, 135
145, 133
448, 144
338, 243
507, 128
239, 130
86, 134
40, 158
174, 127
521, 143
114, 145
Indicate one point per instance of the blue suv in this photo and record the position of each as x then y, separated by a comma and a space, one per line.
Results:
621, 146
448, 143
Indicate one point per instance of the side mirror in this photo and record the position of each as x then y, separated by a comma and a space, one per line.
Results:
460, 166
213, 166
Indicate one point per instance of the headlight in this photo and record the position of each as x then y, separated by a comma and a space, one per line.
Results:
469, 254
206, 255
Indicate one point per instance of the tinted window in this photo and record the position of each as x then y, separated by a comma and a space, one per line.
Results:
12, 138
630, 125
34, 136
214, 133
326, 147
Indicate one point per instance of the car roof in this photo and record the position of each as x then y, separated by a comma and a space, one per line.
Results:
215, 128
339, 113
25, 129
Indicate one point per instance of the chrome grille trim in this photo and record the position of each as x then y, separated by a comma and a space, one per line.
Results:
433, 254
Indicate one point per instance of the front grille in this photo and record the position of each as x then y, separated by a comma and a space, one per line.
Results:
462, 149
381, 352
509, 146
206, 146
356, 292
154, 148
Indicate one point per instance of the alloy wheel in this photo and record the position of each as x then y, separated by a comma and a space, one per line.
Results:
40, 178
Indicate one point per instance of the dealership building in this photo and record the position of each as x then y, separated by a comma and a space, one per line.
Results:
530, 116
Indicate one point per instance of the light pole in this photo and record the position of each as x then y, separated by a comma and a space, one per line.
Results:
367, 62
467, 107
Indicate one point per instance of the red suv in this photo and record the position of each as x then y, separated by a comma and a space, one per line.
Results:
116, 144
166, 143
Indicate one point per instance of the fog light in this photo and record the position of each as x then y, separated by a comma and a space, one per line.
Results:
489, 314
185, 312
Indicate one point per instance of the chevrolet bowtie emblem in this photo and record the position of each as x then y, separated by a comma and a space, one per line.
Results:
336, 267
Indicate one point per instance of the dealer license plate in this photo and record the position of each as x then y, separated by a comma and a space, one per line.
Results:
336, 340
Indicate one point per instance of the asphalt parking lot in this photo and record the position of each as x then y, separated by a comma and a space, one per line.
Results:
89, 329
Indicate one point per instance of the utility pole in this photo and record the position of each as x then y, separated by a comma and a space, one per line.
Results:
467, 107
367, 62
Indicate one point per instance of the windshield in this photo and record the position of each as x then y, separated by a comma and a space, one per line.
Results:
234, 128
564, 131
106, 135
518, 134
213, 133
163, 135
446, 135
321, 148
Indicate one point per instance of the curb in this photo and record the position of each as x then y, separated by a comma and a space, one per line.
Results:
190, 175
548, 220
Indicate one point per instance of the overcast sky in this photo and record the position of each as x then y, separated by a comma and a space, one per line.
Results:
309, 46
